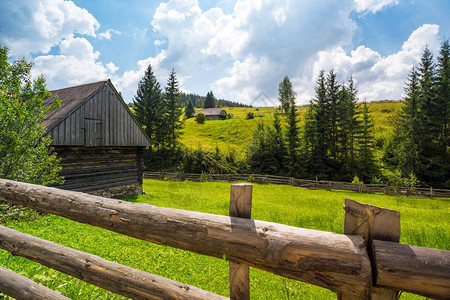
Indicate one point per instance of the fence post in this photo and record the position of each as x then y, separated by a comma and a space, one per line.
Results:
373, 223
431, 192
240, 207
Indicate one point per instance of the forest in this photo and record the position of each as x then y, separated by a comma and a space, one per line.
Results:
335, 141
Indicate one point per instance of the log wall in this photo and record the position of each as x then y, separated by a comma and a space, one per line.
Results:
88, 169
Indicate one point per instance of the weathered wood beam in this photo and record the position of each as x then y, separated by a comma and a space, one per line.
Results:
418, 270
112, 276
334, 261
240, 207
21, 287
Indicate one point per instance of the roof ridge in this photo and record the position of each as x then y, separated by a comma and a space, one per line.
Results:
83, 84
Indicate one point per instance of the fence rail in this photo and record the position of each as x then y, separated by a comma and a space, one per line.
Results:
339, 262
304, 183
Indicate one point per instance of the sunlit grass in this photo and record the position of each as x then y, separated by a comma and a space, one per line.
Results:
235, 134
424, 223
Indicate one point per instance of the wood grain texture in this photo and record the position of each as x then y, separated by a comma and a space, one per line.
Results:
109, 275
21, 287
372, 222
240, 207
334, 261
418, 270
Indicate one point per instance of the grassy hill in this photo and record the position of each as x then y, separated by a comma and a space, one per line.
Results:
236, 133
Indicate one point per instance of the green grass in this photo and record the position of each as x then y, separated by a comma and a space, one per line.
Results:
424, 222
236, 133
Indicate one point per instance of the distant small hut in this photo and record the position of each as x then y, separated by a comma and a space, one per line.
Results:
213, 113
98, 140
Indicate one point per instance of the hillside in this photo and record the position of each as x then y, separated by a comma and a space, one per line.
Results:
236, 133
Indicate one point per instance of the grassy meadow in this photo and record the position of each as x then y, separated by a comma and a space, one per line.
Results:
236, 133
424, 222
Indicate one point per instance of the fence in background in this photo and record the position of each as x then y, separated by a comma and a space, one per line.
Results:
317, 184
366, 262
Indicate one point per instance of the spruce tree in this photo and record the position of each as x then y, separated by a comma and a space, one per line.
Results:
279, 148
429, 157
189, 111
293, 142
366, 150
332, 100
149, 108
286, 94
349, 127
210, 100
443, 92
173, 113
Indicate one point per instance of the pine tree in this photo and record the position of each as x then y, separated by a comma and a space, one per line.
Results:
149, 108
277, 141
189, 110
366, 150
429, 159
210, 100
332, 100
173, 112
286, 94
408, 127
443, 91
293, 142
349, 127
316, 131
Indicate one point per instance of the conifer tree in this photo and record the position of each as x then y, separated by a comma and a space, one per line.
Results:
279, 149
349, 127
293, 142
443, 91
332, 100
189, 110
210, 100
366, 150
173, 112
149, 108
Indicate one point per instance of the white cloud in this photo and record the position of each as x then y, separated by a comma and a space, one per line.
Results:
373, 5
107, 34
78, 63
377, 77
36, 26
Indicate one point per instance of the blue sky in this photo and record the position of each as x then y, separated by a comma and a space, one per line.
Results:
238, 49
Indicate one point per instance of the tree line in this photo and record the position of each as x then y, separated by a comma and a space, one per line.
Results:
336, 141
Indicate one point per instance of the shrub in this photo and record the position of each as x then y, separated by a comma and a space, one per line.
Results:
200, 118
250, 115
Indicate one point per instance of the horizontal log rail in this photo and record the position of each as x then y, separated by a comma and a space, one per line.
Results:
413, 269
318, 184
337, 262
21, 287
112, 276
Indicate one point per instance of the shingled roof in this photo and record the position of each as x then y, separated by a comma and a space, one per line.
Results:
70, 98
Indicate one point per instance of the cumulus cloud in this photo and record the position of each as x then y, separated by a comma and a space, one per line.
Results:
373, 5
77, 63
377, 77
37, 26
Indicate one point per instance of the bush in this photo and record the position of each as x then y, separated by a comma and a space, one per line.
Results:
250, 115
200, 118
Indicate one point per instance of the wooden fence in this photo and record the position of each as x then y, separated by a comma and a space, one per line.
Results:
317, 184
366, 262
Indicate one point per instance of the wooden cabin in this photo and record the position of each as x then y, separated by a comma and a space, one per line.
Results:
213, 113
99, 141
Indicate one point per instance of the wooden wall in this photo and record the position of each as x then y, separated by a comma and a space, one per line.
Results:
87, 169
103, 120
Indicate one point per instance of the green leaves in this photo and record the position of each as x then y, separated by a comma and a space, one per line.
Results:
25, 154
